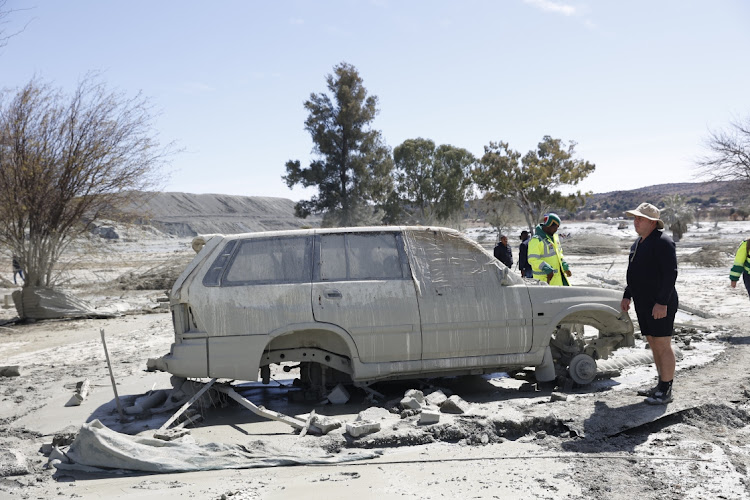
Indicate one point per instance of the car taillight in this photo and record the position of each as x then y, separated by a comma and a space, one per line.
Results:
181, 318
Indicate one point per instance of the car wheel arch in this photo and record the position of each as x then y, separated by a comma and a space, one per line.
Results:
327, 337
597, 315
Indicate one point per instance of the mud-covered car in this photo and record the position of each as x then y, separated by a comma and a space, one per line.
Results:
370, 304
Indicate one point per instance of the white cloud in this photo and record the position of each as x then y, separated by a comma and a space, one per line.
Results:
550, 6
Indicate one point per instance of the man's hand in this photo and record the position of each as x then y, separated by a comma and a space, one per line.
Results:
733, 284
625, 305
550, 276
568, 273
659, 311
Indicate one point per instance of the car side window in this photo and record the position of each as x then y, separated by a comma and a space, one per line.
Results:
333, 258
270, 260
373, 256
360, 257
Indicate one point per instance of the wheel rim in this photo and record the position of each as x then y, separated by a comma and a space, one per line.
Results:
582, 369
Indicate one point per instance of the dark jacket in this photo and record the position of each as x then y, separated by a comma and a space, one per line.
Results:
503, 254
523, 256
652, 270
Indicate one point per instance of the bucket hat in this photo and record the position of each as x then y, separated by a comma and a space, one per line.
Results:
648, 211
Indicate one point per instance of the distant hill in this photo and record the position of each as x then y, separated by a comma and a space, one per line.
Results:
700, 194
187, 214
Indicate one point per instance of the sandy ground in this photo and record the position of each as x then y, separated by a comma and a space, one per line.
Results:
513, 441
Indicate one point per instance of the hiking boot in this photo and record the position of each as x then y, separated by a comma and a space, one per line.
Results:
649, 393
660, 397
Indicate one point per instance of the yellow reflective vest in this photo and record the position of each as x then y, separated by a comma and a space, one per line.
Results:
741, 262
546, 256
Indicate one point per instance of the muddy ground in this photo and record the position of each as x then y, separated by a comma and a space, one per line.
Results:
513, 440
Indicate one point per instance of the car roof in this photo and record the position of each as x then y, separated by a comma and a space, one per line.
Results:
331, 230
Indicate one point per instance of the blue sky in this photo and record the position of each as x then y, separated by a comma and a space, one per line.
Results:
637, 84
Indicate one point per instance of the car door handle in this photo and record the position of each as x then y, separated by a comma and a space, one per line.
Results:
333, 294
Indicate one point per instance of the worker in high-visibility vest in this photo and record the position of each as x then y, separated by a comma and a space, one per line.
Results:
740, 267
545, 253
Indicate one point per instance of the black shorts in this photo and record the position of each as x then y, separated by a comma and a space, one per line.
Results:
663, 327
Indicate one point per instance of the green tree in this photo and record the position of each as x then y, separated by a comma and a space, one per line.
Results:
676, 215
431, 183
532, 181
353, 165
67, 161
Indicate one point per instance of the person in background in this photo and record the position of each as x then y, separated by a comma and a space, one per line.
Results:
651, 277
523, 255
502, 251
17, 269
545, 253
741, 266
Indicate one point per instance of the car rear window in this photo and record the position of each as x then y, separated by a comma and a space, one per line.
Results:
271, 260
213, 276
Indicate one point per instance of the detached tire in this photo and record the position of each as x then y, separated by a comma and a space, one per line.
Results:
582, 369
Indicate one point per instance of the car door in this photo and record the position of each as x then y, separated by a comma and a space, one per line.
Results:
465, 309
261, 285
362, 283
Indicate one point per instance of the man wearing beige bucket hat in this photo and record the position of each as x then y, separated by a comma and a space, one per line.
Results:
651, 277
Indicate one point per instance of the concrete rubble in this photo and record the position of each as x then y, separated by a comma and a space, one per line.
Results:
82, 391
9, 371
454, 404
361, 427
338, 396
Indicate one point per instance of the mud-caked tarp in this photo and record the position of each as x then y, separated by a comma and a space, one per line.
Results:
52, 303
100, 449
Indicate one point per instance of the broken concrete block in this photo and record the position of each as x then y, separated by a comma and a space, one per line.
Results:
325, 424
82, 390
455, 404
435, 398
357, 429
171, 434
339, 395
56, 454
428, 417
9, 371
375, 413
558, 396
416, 394
12, 463
410, 403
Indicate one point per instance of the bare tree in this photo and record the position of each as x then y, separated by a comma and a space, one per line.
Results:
5, 13
67, 161
728, 158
